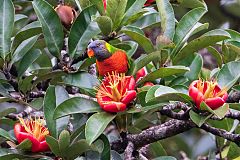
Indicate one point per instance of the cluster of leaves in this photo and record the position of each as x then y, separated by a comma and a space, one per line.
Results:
31, 50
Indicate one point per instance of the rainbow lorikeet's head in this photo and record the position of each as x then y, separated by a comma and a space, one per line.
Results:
99, 49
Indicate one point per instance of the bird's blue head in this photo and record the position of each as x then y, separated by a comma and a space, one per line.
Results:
98, 49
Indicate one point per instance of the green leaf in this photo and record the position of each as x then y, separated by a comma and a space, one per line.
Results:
192, 3
30, 30
149, 19
99, 5
139, 38
198, 119
156, 149
229, 74
106, 148
164, 72
96, 124
48, 75
82, 31
115, 10
105, 24
5, 111
51, 26
53, 145
216, 55
6, 26
6, 135
78, 148
23, 48
160, 93
234, 151
134, 9
49, 105
64, 142
76, 105
82, 80
186, 26
165, 158
145, 59
167, 18
25, 145
220, 112
195, 68
27, 60
208, 39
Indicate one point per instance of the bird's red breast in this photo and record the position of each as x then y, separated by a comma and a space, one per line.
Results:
118, 62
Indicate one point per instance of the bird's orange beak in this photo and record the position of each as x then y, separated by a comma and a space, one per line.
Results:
90, 53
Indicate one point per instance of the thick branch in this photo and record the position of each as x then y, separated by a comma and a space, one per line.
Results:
128, 154
221, 133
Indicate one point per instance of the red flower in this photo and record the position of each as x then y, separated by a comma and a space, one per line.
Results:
105, 4
208, 92
149, 2
116, 92
34, 131
142, 73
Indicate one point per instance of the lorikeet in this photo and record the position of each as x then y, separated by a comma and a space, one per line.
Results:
109, 58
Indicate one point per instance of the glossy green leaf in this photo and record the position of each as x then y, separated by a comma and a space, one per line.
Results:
133, 10
25, 145
165, 158
164, 72
53, 145
192, 3
148, 20
54, 96
229, 74
208, 39
216, 55
5, 111
144, 59
82, 31
143, 41
78, 148
160, 93
106, 148
156, 149
48, 106
186, 26
198, 119
99, 5
48, 75
96, 124
195, 68
51, 26
115, 10
220, 112
26, 32
27, 60
6, 26
64, 142
105, 24
23, 48
76, 105
6, 135
167, 18
82, 80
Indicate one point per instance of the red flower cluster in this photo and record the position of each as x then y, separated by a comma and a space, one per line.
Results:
208, 92
34, 131
116, 92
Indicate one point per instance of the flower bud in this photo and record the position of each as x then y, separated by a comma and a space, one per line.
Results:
66, 14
